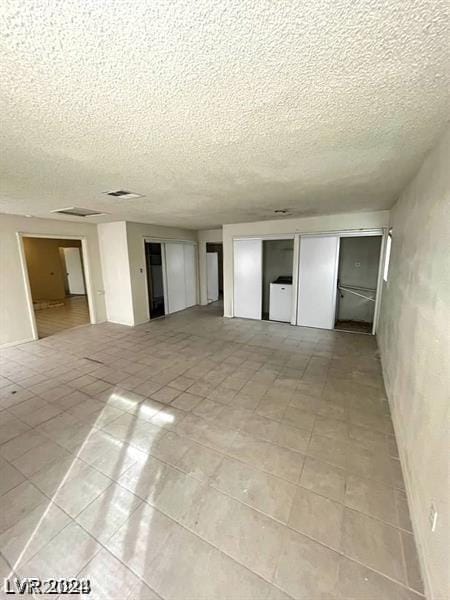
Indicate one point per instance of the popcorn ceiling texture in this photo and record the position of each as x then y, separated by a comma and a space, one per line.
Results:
218, 111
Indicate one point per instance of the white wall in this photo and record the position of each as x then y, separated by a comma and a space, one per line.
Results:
136, 232
15, 318
413, 337
351, 221
116, 272
213, 236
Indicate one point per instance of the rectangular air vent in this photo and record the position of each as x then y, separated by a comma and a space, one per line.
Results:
123, 194
74, 211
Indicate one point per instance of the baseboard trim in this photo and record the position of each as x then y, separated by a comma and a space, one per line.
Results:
119, 323
409, 487
17, 343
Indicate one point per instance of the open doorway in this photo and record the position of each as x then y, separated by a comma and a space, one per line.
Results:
57, 283
359, 259
155, 279
214, 271
278, 256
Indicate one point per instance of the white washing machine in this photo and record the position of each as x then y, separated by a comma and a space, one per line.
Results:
280, 300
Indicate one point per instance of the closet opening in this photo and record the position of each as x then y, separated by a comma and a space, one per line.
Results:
155, 279
277, 268
214, 271
58, 293
359, 259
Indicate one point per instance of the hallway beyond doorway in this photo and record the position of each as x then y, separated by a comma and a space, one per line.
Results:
72, 312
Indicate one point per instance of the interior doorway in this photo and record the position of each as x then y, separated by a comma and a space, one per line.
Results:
277, 270
155, 279
57, 283
214, 271
359, 259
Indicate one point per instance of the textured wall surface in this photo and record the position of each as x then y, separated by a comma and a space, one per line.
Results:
413, 337
219, 112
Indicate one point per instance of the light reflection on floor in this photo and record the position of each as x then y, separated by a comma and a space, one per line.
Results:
202, 457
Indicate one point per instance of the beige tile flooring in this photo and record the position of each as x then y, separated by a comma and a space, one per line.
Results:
198, 457
53, 320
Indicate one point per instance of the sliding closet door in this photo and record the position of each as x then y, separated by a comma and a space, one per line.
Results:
317, 280
175, 274
190, 274
248, 279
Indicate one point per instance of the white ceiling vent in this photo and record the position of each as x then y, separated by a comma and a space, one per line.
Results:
123, 194
74, 211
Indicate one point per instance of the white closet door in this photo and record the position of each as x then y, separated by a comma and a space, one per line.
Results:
248, 279
317, 281
212, 278
190, 274
176, 286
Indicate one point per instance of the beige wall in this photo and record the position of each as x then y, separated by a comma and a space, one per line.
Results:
413, 337
15, 317
351, 221
45, 266
213, 236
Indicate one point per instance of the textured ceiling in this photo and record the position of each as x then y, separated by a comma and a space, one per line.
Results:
218, 111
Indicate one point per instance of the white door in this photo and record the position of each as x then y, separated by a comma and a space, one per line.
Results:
176, 286
74, 270
317, 279
190, 274
248, 279
212, 276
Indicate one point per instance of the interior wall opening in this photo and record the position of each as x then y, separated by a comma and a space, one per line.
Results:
277, 268
359, 259
214, 271
57, 283
155, 279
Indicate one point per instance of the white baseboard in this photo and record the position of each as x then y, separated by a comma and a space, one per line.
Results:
127, 324
409, 488
17, 343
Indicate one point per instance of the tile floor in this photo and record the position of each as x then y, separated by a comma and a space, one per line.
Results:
53, 320
198, 457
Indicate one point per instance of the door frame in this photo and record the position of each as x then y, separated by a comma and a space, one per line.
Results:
26, 279
162, 241
382, 232
270, 236
164, 280
148, 240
